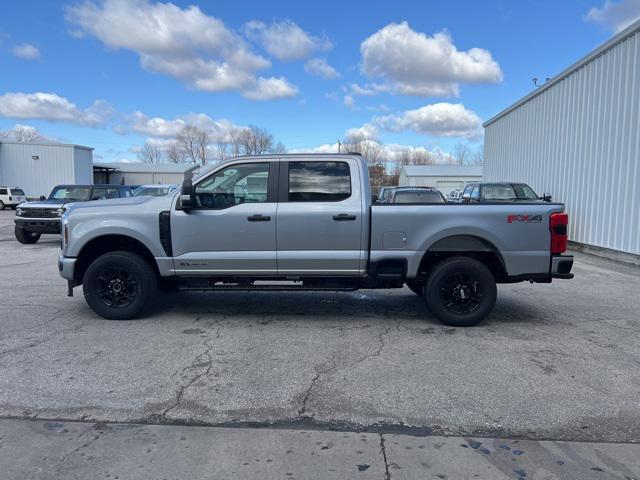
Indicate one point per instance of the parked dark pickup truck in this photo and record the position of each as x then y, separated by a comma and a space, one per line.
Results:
35, 218
306, 222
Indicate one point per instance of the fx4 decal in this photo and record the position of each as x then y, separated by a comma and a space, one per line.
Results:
524, 218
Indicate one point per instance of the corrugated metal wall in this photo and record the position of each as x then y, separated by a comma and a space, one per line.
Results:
83, 165
580, 140
55, 165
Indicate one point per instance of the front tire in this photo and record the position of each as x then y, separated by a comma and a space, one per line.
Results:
25, 237
119, 285
461, 291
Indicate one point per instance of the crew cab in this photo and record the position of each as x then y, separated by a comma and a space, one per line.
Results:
305, 222
35, 218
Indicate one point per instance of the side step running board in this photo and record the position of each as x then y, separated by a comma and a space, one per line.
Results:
194, 285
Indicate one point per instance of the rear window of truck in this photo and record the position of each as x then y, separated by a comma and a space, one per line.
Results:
319, 181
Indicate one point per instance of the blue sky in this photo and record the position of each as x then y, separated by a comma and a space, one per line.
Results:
115, 74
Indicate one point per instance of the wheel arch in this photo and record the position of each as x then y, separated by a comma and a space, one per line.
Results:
102, 244
472, 246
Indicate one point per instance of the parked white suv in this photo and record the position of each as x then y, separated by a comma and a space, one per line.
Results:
11, 197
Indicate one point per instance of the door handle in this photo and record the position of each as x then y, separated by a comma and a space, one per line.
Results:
259, 218
344, 217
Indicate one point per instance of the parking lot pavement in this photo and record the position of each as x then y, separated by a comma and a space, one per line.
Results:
42, 450
555, 361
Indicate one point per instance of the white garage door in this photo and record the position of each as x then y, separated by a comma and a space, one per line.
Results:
448, 187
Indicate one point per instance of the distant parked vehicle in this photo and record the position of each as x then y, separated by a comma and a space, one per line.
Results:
416, 195
501, 192
154, 190
11, 197
385, 193
455, 196
35, 218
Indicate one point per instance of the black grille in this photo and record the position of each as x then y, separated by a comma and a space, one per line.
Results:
165, 232
39, 213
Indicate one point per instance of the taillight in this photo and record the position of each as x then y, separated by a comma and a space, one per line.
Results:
558, 223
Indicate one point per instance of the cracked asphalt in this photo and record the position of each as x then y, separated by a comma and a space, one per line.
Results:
554, 362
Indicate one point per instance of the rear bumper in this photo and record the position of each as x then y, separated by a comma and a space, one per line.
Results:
66, 267
39, 225
561, 266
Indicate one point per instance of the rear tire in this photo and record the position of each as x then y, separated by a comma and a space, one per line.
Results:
416, 286
119, 285
460, 291
2, 205
25, 237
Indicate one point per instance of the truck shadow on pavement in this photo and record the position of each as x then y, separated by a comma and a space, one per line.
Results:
265, 307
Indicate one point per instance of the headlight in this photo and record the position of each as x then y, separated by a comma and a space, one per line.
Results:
59, 211
19, 212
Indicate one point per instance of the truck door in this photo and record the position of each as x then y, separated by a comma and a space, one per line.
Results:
320, 218
232, 230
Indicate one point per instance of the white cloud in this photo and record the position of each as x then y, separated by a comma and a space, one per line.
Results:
286, 40
26, 51
53, 108
269, 88
439, 119
366, 131
415, 64
197, 49
321, 68
615, 16
349, 102
161, 130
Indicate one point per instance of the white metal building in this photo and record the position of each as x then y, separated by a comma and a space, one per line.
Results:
138, 173
445, 178
578, 138
37, 168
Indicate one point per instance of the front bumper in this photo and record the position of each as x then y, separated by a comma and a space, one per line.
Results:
39, 225
66, 267
561, 266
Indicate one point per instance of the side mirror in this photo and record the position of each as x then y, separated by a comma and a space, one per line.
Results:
187, 195
374, 198
546, 197
42, 197
466, 199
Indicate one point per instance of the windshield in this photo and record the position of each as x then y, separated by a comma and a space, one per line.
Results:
151, 191
17, 191
418, 196
80, 194
525, 192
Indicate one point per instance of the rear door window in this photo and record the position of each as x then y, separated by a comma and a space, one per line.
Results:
104, 193
319, 181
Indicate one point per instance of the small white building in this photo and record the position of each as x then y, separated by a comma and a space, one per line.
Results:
445, 178
38, 167
138, 173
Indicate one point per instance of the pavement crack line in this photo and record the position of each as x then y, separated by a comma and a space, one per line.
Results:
383, 450
198, 360
302, 411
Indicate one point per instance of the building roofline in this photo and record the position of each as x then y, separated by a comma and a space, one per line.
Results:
33, 144
590, 57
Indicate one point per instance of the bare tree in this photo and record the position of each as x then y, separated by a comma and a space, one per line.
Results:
151, 154
251, 141
174, 153
372, 151
461, 153
478, 157
22, 134
193, 141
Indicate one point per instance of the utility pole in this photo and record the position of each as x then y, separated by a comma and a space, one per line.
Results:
339, 146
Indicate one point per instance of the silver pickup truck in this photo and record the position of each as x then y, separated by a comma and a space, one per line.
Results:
306, 222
